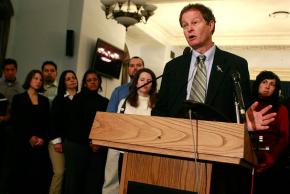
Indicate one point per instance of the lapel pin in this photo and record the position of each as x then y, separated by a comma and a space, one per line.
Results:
219, 68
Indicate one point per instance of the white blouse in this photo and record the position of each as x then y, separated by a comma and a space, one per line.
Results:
142, 109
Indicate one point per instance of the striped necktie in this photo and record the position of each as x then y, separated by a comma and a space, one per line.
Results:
198, 88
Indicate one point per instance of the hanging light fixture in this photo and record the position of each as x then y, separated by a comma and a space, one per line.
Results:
128, 12
279, 14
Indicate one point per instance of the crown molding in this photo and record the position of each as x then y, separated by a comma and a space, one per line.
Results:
283, 73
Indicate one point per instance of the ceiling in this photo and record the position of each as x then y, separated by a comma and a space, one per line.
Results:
239, 22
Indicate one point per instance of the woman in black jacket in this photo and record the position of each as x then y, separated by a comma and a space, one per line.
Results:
30, 121
85, 163
61, 113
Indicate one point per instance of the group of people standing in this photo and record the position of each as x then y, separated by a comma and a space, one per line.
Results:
45, 123
50, 123
52, 149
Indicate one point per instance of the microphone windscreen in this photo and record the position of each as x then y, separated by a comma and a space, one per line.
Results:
186, 50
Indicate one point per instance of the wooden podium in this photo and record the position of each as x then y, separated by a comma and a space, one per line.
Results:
164, 151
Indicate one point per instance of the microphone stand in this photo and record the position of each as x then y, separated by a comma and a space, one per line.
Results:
237, 111
240, 113
239, 101
149, 82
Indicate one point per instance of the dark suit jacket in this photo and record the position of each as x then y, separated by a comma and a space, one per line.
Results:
28, 119
85, 105
3, 105
61, 116
220, 92
31, 165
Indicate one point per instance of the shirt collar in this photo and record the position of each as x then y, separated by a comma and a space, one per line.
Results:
54, 84
66, 94
209, 54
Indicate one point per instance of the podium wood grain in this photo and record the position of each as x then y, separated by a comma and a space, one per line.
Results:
215, 141
167, 172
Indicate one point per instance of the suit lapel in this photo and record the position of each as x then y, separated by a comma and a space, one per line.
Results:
186, 62
182, 75
218, 71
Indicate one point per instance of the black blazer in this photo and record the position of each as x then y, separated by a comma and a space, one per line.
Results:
61, 117
3, 105
30, 120
85, 106
220, 92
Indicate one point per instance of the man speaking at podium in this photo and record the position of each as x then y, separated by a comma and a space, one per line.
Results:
198, 24
205, 75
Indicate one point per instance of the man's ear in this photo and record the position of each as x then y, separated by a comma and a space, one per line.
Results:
212, 26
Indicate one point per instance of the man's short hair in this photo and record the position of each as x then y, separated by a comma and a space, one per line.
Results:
48, 62
9, 61
136, 57
205, 11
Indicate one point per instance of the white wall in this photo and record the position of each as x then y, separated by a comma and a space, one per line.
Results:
154, 53
38, 31
273, 58
94, 25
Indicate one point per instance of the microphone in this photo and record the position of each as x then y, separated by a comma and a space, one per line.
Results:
123, 107
186, 50
149, 82
238, 93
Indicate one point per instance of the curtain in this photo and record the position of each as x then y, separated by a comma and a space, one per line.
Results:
6, 12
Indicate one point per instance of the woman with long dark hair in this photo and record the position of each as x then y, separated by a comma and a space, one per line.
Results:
84, 162
265, 90
61, 113
140, 101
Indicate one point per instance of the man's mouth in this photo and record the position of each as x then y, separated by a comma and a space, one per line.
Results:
191, 37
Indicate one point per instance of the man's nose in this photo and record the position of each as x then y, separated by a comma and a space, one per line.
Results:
190, 28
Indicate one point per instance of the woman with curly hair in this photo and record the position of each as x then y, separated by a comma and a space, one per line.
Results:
265, 90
